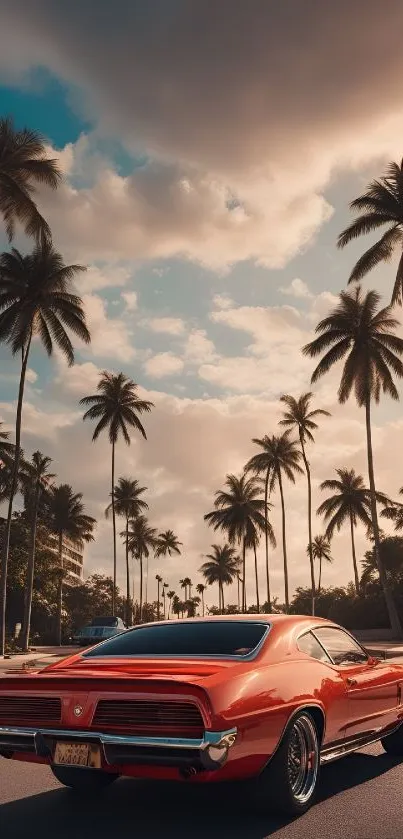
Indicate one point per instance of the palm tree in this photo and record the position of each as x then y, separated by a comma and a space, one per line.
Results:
253, 543
394, 512
168, 543
221, 568
68, 519
176, 605
6, 448
6, 464
391, 552
320, 550
239, 582
358, 329
37, 481
170, 595
36, 301
350, 502
5, 480
183, 584
116, 406
23, 165
159, 581
380, 205
191, 605
129, 505
200, 588
142, 540
164, 587
298, 417
238, 512
257, 466
279, 456
189, 587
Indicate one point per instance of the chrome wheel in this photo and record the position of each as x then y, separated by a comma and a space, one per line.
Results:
303, 759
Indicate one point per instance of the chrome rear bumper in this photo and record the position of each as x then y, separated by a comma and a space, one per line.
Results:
210, 752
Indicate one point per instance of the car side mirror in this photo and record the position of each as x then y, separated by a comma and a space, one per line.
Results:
372, 661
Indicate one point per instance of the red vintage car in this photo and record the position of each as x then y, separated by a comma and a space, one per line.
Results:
260, 698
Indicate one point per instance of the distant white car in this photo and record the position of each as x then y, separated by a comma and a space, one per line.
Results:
98, 630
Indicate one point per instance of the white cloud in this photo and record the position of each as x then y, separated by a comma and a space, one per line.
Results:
96, 279
252, 199
148, 215
321, 305
14, 378
268, 326
163, 364
130, 298
159, 272
110, 337
170, 326
78, 380
297, 288
199, 349
42, 424
222, 301
31, 376
251, 375
273, 362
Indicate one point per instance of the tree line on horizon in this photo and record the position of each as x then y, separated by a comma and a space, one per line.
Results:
38, 301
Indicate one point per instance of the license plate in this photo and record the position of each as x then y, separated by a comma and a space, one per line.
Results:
78, 754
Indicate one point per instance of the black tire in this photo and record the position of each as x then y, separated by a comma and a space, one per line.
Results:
83, 780
289, 782
393, 743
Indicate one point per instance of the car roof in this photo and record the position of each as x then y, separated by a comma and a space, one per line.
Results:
288, 621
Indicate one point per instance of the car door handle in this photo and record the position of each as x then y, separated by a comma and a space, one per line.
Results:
350, 681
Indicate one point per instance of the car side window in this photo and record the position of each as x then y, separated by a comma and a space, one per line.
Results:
310, 645
342, 649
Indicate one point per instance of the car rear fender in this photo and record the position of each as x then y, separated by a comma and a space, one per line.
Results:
318, 715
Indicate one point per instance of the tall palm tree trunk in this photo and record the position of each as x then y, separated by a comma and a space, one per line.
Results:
114, 531
390, 603
222, 598
239, 599
243, 575
356, 577
308, 477
287, 599
256, 579
60, 593
128, 609
13, 488
141, 587
29, 585
146, 587
169, 607
320, 574
158, 601
266, 536
203, 602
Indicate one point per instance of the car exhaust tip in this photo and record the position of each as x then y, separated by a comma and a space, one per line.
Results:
188, 772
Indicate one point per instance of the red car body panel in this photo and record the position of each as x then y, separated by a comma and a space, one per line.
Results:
257, 697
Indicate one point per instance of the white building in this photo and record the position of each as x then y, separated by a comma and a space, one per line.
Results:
72, 555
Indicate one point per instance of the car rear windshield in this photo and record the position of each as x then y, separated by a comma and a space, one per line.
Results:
215, 638
104, 622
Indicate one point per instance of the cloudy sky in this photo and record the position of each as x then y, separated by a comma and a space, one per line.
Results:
210, 153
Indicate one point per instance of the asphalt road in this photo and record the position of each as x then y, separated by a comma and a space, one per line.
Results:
360, 798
